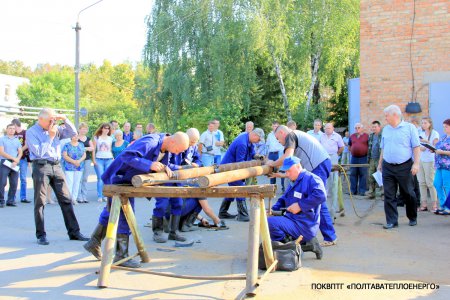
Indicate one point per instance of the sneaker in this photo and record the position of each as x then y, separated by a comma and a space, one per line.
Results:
105, 199
99, 199
25, 201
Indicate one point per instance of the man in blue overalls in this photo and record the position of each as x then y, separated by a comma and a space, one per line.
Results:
142, 157
241, 149
302, 202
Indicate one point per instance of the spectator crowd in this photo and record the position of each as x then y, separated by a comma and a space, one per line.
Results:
412, 159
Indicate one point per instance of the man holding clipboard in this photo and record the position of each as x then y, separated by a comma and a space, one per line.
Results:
10, 154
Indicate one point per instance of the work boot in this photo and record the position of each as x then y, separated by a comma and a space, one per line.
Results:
122, 252
242, 211
173, 226
223, 211
188, 223
157, 227
166, 224
313, 246
94, 245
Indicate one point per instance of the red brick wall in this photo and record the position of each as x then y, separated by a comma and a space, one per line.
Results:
385, 52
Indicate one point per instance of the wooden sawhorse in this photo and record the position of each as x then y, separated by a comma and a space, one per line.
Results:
258, 225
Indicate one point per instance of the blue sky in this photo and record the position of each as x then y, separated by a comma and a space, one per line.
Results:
41, 31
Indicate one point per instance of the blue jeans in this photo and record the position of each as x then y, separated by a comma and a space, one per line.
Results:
217, 159
442, 185
358, 176
101, 165
23, 165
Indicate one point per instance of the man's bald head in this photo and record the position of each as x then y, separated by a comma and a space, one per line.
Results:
176, 143
281, 133
194, 136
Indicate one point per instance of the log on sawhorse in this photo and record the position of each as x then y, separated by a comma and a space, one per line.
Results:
257, 226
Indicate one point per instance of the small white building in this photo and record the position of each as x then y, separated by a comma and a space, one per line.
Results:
8, 97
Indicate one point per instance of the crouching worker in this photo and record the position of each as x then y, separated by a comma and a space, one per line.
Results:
191, 212
140, 158
301, 202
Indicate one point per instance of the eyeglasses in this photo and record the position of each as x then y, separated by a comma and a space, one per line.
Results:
106, 128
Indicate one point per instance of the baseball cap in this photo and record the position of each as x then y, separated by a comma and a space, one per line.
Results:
289, 162
259, 132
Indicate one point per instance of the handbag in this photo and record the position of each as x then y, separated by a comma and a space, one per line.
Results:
288, 256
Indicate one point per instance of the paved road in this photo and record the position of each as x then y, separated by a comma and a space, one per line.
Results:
365, 254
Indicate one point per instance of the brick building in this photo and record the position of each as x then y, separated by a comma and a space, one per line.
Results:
402, 39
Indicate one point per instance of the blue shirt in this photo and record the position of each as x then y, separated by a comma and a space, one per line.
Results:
398, 143
136, 159
40, 144
240, 150
309, 192
10, 146
74, 152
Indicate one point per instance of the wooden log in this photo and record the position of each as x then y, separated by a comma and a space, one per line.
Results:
253, 245
110, 243
156, 178
239, 165
265, 235
131, 219
266, 190
230, 176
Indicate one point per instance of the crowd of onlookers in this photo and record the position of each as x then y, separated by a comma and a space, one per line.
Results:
80, 152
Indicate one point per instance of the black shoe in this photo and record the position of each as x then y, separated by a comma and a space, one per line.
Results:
390, 226
412, 223
25, 201
11, 204
223, 211
43, 241
78, 237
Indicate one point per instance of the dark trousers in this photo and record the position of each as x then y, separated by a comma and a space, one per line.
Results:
43, 176
358, 176
13, 176
393, 176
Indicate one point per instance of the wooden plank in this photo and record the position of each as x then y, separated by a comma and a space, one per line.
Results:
131, 219
266, 190
253, 245
110, 243
230, 176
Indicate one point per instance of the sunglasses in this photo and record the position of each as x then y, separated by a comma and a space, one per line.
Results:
105, 127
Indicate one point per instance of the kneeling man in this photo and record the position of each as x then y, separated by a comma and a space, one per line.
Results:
302, 202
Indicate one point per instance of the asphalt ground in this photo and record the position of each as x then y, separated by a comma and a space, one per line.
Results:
367, 262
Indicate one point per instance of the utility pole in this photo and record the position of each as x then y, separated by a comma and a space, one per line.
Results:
77, 74
77, 65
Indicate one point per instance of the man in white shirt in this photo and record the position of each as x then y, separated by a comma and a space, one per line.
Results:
220, 141
334, 145
207, 144
316, 132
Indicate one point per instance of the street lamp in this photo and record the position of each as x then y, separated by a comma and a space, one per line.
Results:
77, 65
